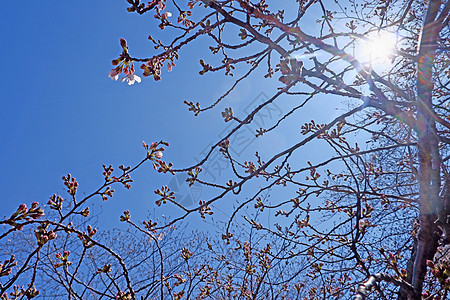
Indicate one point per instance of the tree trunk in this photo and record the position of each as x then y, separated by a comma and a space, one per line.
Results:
429, 157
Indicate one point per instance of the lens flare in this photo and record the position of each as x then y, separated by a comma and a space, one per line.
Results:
378, 46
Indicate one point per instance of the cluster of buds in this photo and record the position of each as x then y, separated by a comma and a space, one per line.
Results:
150, 226
264, 259
206, 292
30, 292
259, 204
162, 167
180, 279
43, 236
193, 175
223, 146
246, 248
123, 296
441, 271
392, 262
250, 168
255, 224
163, 17
107, 193
183, 18
228, 115
260, 131
226, 237
206, 67
7, 265
153, 68
195, 108
55, 202
23, 213
107, 171
125, 217
313, 172
304, 222
154, 150
64, 258
185, 253
166, 194
125, 179
71, 184
15, 294
312, 127
105, 269
363, 224
85, 212
125, 65
204, 209
141, 7
231, 184
86, 238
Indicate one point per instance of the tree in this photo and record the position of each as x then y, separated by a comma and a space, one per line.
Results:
377, 215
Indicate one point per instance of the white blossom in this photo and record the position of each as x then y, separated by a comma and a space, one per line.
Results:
159, 155
131, 79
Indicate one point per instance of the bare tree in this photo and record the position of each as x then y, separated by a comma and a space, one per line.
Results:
371, 222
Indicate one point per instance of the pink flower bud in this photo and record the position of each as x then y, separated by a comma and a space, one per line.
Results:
23, 208
52, 235
123, 42
114, 73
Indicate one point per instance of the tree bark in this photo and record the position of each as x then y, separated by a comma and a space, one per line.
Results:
429, 157
403, 293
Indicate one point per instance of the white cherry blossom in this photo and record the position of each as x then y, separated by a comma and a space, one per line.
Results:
131, 79
159, 155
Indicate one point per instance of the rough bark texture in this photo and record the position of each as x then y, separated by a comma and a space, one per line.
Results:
429, 157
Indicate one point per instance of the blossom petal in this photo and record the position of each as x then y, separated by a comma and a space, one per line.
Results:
137, 78
113, 74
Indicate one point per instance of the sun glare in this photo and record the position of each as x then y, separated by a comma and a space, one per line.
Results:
378, 46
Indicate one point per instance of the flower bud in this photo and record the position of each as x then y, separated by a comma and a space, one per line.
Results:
159, 155
123, 42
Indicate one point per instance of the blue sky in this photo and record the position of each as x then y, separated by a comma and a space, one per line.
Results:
62, 114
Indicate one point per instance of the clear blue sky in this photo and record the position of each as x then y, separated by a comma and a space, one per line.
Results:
62, 114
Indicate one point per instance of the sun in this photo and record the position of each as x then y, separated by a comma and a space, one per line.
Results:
378, 46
